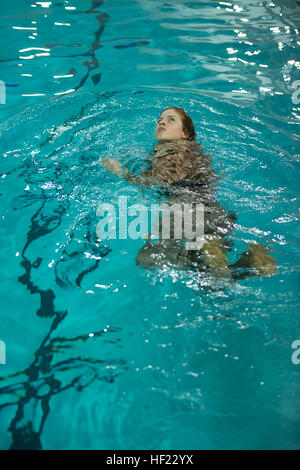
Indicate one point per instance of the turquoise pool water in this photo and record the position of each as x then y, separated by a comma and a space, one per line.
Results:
100, 353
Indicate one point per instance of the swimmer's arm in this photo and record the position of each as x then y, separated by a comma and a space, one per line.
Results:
115, 167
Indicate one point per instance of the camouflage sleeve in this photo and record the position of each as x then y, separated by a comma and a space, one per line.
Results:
144, 178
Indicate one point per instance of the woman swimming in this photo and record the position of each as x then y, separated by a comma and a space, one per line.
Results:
183, 171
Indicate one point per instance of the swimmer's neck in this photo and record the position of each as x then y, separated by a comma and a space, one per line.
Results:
161, 142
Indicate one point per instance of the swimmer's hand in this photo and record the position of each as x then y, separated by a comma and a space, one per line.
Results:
113, 166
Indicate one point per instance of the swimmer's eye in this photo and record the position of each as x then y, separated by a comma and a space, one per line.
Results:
170, 119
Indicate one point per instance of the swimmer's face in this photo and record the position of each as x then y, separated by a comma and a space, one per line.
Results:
169, 126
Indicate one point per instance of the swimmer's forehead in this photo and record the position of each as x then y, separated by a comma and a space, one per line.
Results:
169, 115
